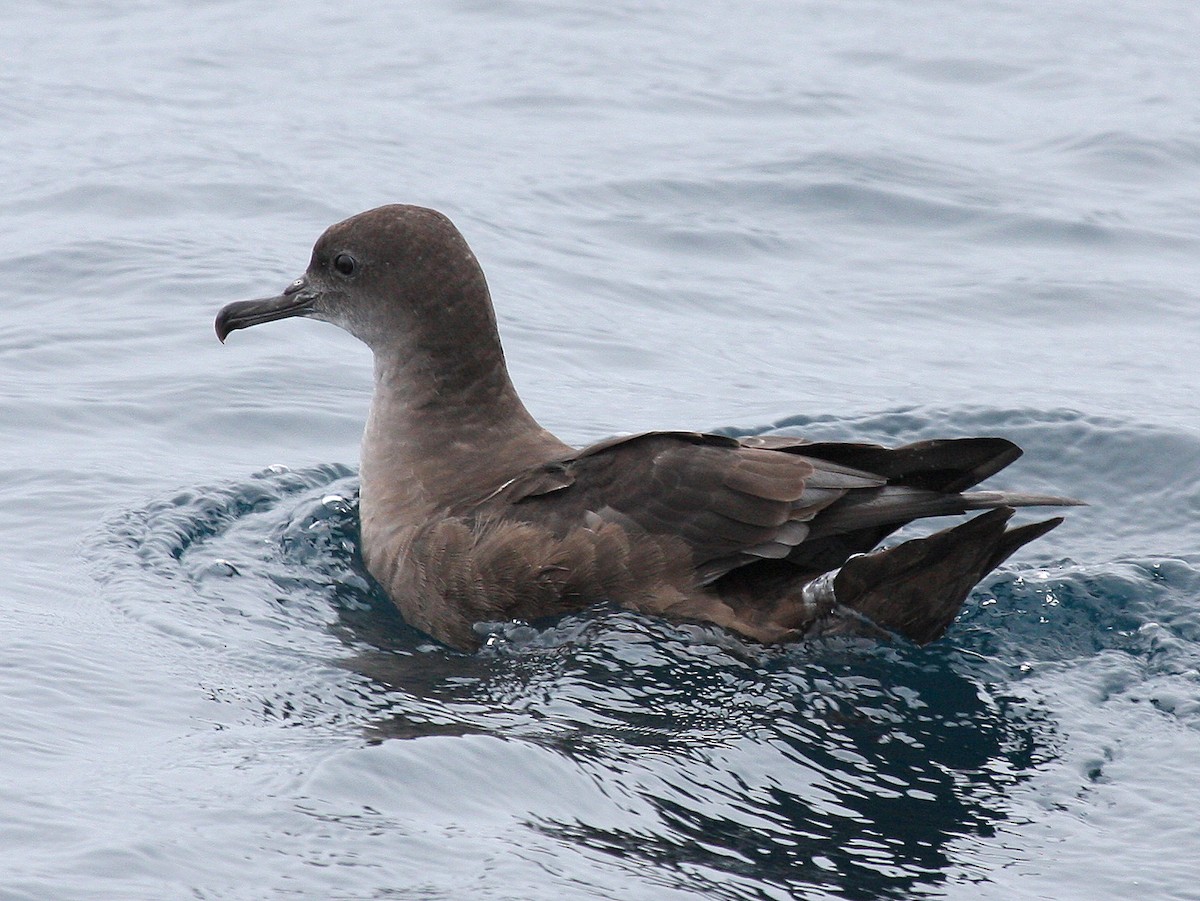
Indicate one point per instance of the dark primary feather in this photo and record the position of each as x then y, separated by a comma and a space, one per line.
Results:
726, 497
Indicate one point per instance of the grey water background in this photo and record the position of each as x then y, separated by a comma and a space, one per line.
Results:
874, 220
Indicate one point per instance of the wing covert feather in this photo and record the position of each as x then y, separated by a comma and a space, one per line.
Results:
724, 500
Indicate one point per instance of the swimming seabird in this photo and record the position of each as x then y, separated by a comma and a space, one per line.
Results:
472, 512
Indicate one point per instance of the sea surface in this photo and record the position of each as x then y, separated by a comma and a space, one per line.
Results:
876, 220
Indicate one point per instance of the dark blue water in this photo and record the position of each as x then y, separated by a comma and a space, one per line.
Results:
878, 221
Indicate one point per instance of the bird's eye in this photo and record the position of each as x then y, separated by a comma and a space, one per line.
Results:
345, 264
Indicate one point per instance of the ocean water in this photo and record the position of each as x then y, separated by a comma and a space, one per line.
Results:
878, 220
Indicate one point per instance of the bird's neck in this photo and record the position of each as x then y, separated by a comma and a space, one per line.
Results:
441, 431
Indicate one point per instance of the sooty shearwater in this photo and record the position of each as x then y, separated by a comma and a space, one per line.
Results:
472, 512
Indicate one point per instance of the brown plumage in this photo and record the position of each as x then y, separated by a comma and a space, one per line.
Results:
472, 512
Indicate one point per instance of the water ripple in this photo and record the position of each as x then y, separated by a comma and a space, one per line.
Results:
843, 766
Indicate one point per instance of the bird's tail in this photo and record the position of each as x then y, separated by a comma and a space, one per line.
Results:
916, 588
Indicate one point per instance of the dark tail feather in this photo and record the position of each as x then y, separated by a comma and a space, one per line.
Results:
916, 589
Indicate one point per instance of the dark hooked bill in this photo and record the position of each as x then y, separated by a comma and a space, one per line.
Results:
296, 300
